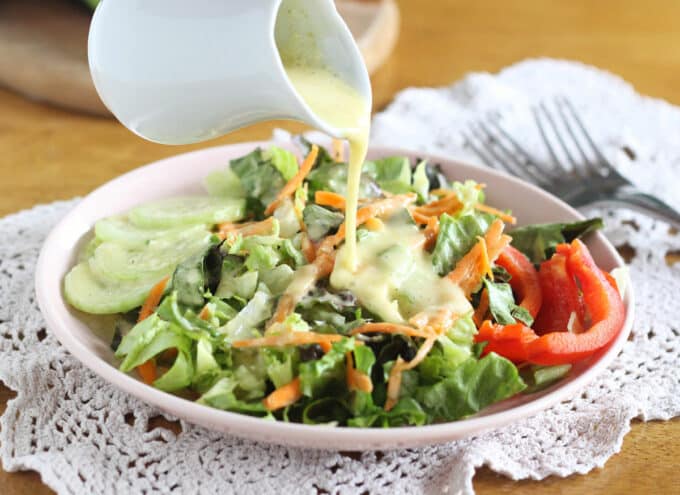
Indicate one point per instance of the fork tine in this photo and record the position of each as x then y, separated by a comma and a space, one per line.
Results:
605, 164
556, 132
507, 156
479, 150
528, 162
500, 161
586, 162
497, 159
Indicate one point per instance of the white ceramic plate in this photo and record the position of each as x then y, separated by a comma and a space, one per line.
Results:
85, 338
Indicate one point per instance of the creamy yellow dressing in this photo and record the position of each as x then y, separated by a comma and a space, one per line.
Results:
394, 278
341, 106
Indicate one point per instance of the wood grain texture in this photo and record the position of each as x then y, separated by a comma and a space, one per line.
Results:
48, 154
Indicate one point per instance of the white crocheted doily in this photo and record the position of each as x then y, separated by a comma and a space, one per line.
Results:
86, 437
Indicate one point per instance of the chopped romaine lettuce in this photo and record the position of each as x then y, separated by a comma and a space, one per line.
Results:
321, 221
502, 304
283, 160
457, 235
470, 387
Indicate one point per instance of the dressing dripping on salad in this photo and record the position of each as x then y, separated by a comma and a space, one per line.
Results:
341, 106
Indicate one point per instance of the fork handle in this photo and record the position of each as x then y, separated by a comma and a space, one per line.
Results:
646, 203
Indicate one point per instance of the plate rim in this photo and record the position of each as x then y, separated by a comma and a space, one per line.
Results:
296, 434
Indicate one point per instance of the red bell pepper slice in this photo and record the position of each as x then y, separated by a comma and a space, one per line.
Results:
561, 297
602, 303
524, 279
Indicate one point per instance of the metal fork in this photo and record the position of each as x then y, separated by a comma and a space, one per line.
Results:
581, 175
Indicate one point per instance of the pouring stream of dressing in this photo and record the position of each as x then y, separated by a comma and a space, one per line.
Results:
337, 103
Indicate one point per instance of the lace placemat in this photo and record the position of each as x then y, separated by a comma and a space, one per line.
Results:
86, 437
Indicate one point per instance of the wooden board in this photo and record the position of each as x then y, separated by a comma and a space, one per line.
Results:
43, 47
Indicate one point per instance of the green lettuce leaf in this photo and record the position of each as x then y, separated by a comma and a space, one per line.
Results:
421, 184
244, 324
222, 396
147, 340
541, 377
469, 193
330, 312
406, 412
327, 410
456, 237
260, 180
321, 221
502, 304
471, 387
393, 174
320, 375
538, 241
283, 160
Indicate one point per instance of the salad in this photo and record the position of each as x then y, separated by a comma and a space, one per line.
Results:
243, 298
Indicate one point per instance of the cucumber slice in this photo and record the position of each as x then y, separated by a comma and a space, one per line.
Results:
159, 257
224, 183
119, 229
87, 293
88, 250
187, 210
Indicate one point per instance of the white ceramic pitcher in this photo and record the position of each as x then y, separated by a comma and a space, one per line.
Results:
178, 71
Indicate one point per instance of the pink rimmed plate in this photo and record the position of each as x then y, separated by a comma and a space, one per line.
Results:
88, 338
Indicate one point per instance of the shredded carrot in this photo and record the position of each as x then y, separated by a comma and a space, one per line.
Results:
285, 307
434, 323
356, 380
326, 346
308, 248
494, 211
205, 313
421, 218
379, 208
482, 309
285, 339
246, 229
470, 269
147, 371
394, 380
440, 192
448, 203
374, 224
484, 262
283, 396
328, 198
153, 299
338, 150
294, 182
431, 232
393, 328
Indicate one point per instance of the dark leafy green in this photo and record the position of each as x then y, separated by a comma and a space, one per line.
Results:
260, 180
538, 241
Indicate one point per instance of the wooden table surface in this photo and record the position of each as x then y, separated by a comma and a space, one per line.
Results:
48, 154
